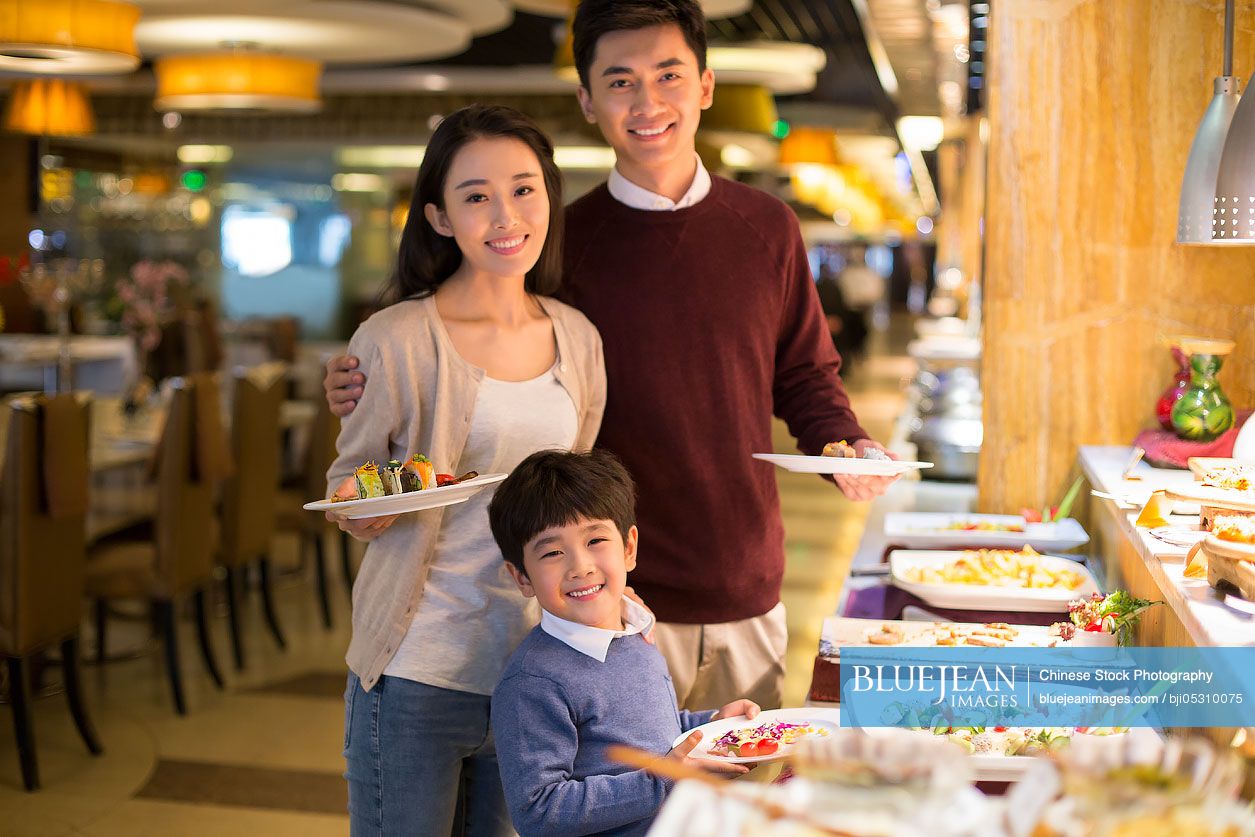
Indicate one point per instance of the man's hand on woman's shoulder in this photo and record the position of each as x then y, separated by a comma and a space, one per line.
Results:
343, 384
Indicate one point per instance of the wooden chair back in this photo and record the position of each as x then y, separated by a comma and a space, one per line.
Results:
256, 442
43, 522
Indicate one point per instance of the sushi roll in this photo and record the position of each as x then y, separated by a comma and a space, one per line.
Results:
368, 482
420, 473
391, 477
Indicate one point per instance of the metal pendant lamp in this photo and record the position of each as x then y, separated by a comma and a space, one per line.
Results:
1199, 191
1233, 217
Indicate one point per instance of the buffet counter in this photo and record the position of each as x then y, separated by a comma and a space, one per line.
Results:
1195, 613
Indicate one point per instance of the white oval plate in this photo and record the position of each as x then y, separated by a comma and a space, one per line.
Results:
840, 465
927, 530
411, 501
827, 718
987, 596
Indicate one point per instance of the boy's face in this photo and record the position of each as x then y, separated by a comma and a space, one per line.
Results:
578, 571
646, 95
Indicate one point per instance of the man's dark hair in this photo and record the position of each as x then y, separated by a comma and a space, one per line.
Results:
594, 18
555, 488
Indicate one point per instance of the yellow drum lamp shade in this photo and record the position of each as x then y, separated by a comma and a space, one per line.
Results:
741, 108
68, 37
816, 146
238, 81
49, 107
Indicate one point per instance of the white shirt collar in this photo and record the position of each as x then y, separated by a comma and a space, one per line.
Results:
595, 642
638, 197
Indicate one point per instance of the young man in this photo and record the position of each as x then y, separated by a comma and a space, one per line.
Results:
585, 678
702, 293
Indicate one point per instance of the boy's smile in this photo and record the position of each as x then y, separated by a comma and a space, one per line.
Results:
646, 95
578, 571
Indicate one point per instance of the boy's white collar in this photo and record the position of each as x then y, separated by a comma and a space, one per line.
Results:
638, 197
595, 642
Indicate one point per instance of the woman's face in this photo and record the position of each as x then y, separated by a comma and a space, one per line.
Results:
495, 206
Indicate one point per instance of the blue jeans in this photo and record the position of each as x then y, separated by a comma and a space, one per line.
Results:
411, 751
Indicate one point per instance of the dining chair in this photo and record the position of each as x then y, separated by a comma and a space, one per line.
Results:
43, 549
313, 527
249, 498
193, 458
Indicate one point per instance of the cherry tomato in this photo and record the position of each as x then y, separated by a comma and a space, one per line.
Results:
767, 746
1000, 729
748, 750
443, 479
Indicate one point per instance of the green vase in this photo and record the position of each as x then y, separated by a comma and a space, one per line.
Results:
1204, 411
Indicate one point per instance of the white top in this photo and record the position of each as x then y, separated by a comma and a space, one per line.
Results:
471, 615
638, 197
595, 642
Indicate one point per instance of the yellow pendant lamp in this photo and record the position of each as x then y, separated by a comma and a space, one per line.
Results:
238, 81
68, 37
49, 107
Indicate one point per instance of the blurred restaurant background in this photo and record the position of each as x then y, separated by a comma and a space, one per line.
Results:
199, 202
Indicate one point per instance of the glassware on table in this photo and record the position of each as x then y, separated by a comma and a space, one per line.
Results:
1143, 787
54, 288
1203, 412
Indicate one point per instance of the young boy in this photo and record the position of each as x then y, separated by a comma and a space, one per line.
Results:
585, 678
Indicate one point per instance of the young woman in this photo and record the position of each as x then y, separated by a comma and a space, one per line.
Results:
477, 368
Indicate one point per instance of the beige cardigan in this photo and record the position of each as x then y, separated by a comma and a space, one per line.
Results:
418, 399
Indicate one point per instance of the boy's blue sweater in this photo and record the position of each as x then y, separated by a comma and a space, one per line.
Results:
554, 713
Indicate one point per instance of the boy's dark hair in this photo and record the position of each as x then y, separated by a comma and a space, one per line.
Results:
554, 488
594, 18
426, 258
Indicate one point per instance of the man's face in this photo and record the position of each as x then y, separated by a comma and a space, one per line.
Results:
578, 571
646, 95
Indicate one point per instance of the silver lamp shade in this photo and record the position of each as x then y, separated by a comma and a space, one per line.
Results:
1198, 187
1234, 212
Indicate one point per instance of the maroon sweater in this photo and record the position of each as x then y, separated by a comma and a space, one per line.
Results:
711, 324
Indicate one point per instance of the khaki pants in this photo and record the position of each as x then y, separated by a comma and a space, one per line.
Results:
713, 665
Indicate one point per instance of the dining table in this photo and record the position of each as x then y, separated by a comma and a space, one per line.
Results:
121, 448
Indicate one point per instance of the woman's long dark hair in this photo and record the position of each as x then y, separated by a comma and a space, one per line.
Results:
426, 258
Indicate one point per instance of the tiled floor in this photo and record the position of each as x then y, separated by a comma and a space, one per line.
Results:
263, 757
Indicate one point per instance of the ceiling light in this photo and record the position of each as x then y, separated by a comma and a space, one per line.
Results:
584, 157
1198, 201
922, 132
783, 67
712, 9
736, 156
741, 108
49, 107
358, 182
68, 37
200, 154
1235, 180
237, 81
593, 157
805, 145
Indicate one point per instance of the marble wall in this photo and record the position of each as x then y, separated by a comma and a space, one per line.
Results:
1092, 107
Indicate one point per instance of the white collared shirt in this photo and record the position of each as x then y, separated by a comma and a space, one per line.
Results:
638, 197
595, 642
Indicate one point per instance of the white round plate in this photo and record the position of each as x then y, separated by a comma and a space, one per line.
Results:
411, 501
829, 719
840, 465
